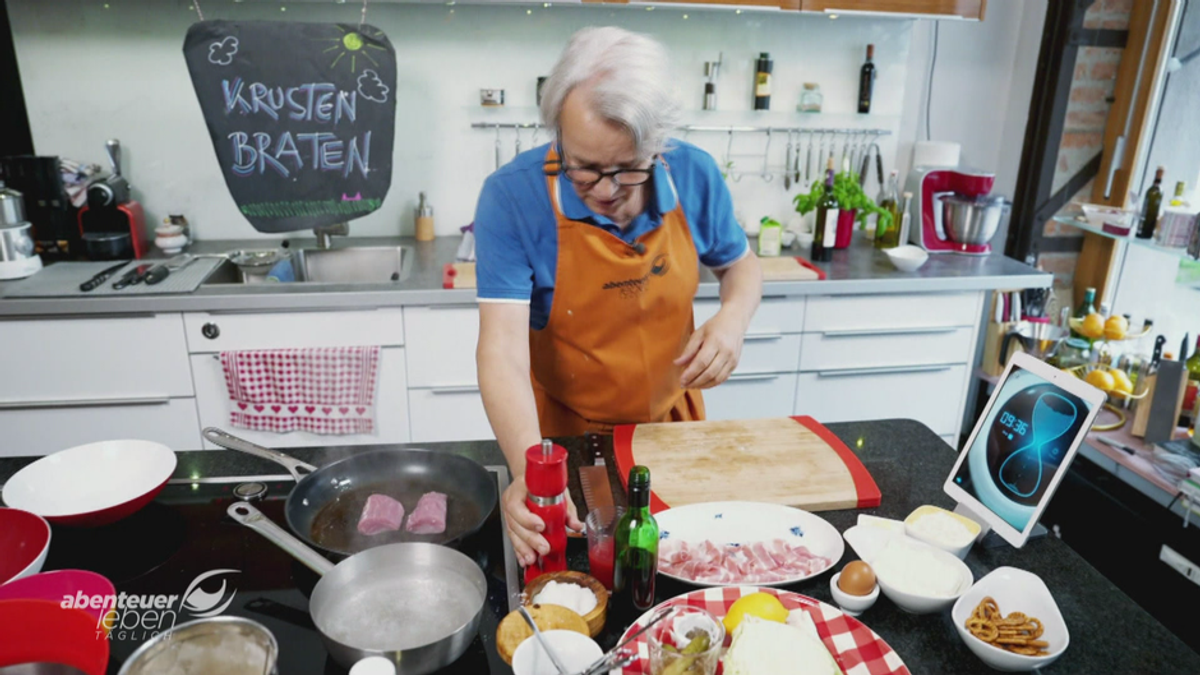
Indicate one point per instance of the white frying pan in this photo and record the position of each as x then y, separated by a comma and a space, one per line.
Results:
93, 484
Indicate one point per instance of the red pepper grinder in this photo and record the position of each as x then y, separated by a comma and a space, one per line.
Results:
546, 480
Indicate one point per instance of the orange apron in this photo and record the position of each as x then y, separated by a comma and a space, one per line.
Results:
618, 320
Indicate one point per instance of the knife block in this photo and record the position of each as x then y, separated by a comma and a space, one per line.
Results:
1156, 414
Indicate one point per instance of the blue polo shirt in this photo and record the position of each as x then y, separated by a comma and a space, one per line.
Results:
516, 235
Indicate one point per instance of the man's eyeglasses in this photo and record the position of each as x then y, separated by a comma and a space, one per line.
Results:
587, 177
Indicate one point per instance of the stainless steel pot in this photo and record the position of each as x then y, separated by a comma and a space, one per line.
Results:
12, 208
417, 605
972, 220
228, 645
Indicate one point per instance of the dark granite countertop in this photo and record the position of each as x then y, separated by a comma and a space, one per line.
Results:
1109, 632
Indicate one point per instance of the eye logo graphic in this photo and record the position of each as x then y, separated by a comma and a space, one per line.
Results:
660, 266
371, 87
221, 53
204, 604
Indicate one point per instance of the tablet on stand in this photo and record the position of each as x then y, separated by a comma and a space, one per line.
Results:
1021, 448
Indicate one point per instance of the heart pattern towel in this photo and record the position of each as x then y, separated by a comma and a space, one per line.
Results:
328, 390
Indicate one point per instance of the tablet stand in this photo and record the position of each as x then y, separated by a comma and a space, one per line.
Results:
989, 539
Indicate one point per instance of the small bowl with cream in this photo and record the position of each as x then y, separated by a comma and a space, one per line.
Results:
944, 529
918, 577
578, 592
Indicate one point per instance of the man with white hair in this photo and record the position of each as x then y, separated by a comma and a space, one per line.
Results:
588, 252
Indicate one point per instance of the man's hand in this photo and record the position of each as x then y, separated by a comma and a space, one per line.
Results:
712, 352
524, 528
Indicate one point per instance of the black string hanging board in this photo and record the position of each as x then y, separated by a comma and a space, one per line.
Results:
302, 117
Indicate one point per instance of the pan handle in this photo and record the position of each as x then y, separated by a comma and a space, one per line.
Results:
298, 469
254, 519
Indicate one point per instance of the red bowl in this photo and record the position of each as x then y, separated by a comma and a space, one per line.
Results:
60, 585
24, 543
94, 484
41, 631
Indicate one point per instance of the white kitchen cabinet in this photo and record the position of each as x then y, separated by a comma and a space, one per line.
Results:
932, 394
775, 315
448, 414
903, 346
217, 332
45, 430
750, 396
391, 406
441, 341
769, 354
103, 361
892, 312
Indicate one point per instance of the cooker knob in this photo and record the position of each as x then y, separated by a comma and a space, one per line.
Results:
210, 331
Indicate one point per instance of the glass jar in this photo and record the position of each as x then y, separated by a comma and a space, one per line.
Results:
811, 98
1073, 352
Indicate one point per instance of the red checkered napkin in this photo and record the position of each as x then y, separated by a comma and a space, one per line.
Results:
320, 390
858, 650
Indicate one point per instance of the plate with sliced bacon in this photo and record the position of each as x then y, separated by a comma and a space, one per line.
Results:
745, 544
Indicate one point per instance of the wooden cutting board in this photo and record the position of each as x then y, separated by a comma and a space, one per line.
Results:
462, 275
793, 461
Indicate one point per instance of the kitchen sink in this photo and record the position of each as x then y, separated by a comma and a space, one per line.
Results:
353, 265
350, 265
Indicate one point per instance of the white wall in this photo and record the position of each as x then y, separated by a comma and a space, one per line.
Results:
92, 73
982, 85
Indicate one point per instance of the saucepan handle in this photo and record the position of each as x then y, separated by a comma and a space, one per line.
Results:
297, 468
254, 519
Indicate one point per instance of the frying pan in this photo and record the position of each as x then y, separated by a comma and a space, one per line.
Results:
324, 507
93, 484
416, 604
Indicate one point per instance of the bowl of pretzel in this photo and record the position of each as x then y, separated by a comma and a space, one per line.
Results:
1011, 622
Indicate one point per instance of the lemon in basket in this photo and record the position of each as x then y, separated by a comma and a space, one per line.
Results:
1116, 328
762, 605
1102, 380
1121, 382
1093, 326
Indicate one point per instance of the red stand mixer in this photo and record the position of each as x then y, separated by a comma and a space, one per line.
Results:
954, 211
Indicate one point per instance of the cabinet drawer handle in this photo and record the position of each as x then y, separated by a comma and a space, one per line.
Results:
762, 337
211, 331
84, 403
454, 390
752, 377
883, 371
891, 331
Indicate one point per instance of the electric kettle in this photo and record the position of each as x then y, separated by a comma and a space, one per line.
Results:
17, 256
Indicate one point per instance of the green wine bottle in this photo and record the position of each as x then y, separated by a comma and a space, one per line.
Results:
825, 234
636, 542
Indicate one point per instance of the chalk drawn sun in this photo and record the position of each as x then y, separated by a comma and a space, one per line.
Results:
351, 44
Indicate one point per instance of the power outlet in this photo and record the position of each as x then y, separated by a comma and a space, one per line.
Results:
1181, 564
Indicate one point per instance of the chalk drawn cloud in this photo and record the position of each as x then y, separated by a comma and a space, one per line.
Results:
371, 87
221, 53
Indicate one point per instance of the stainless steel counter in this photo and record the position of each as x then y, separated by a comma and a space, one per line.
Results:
857, 270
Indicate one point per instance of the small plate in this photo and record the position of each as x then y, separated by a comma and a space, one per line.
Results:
745, 523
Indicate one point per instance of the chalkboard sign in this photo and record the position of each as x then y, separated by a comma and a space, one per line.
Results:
302, 116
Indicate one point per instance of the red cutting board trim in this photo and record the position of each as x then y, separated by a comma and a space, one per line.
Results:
820, 272
864, 485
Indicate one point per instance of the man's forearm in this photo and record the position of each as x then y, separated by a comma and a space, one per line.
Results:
511, 409
741, 289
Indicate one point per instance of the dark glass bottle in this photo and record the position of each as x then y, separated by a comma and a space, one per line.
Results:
825, 233
866, 82
1151, 206
762, 82
636, 541
1088, 306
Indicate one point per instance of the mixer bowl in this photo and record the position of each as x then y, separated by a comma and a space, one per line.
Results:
972, 220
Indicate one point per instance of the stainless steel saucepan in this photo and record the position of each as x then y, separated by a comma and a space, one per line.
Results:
417, 605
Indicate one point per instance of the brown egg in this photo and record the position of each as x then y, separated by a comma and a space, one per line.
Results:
857, 578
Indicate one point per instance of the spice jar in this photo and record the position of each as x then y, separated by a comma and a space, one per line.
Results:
811, 98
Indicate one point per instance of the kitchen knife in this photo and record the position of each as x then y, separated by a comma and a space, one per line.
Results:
133, 276
156, 274
101, 277
1159, 343
597, 491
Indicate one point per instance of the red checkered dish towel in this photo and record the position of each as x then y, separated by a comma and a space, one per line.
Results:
328, 390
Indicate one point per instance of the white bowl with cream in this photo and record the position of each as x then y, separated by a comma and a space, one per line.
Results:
918, 577
944, 529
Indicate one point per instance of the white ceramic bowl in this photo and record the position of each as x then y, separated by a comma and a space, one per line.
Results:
852, 604
907, 258
957, 548
574, 650
915, 603
1014, 590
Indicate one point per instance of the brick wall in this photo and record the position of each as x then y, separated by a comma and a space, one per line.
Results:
1108, 14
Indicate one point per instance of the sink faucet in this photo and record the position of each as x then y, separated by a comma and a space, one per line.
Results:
325, 234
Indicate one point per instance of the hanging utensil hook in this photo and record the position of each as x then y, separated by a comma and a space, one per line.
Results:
766, 175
